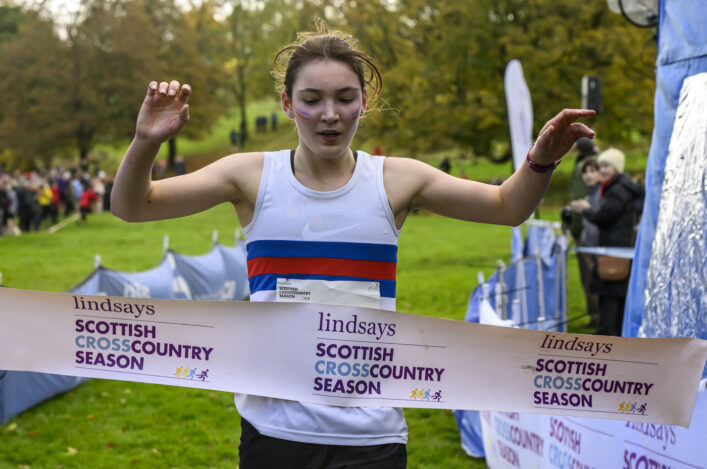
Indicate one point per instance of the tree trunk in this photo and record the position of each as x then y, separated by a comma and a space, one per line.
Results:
240, 92
244, 119
172, 153
84, 141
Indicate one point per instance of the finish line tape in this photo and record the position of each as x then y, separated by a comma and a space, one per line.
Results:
346, 356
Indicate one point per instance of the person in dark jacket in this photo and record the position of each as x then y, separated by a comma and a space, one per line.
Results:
616, 218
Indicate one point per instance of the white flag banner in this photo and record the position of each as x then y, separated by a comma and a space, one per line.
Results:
347, 356
520, 111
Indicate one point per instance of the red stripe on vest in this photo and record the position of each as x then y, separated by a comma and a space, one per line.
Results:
321, 266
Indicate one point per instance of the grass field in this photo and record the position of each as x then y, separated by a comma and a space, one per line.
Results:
121, 424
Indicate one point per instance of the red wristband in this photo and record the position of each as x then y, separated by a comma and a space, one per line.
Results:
538, 168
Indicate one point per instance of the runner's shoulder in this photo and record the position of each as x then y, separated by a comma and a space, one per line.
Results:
242, 165
406, 168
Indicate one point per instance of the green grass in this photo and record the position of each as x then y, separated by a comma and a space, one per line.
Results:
106, 423
57, 262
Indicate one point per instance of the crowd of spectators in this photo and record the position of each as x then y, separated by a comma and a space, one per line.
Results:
36, 200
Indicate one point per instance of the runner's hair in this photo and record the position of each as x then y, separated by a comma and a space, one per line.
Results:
324, 44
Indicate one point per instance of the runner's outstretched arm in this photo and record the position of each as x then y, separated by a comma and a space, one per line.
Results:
413, 184
136, 197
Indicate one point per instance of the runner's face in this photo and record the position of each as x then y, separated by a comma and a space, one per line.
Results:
326, 104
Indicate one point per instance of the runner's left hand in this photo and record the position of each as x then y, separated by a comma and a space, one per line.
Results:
559, 134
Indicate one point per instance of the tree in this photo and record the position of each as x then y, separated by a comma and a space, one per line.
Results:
10, 19
111, 57
255, 32
444, 64
87, 88
247, 64
33, 121
186, 52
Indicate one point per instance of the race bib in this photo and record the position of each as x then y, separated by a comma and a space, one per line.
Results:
343, 293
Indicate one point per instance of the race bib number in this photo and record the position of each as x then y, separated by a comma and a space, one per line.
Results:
344, 293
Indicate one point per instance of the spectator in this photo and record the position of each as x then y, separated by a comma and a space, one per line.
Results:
4, 201
99, 189
44, 198
11, 226
234, 137
261, 124
88, 197
62, 180
180, 166
54, 207
615, 217
590, 237
160, 169
8, 207
585, 148
106, 196
445, 165
76, 190
27, 204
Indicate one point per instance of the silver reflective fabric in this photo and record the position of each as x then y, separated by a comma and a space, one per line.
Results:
676, 285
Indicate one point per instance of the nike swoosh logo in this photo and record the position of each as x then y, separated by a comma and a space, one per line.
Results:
307, 232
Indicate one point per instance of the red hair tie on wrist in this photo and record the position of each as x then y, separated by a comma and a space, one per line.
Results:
538, 168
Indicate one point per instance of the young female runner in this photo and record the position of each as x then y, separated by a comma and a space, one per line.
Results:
325, 215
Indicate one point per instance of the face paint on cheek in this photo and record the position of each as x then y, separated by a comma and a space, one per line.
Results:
304, 115
357, 113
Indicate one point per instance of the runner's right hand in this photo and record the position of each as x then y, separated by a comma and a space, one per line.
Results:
164, 111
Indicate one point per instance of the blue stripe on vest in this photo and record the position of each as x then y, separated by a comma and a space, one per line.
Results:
331, 249
269, 282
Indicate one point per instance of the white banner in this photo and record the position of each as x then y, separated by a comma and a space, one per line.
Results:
520, 112
347, 356
524, 440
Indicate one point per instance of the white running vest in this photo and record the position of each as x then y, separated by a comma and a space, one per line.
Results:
344, 240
